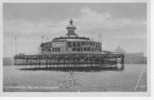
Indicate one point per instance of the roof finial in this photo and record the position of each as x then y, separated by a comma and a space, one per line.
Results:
71, 22
71, 29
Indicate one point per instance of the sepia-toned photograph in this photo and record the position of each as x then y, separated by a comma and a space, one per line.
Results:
75, 47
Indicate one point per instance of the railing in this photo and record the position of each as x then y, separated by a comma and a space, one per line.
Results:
89, 59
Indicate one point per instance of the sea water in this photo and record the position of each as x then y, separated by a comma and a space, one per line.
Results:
132, 78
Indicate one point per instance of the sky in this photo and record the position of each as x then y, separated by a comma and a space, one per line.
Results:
113, 24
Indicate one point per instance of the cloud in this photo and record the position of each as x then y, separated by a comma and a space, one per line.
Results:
94, 24
91, 19
103, 20
91, 23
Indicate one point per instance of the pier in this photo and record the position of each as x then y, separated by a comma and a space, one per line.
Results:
75, 61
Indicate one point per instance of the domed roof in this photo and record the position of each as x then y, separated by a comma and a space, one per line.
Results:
71, 35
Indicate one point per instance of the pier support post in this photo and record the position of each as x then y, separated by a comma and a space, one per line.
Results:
122, 61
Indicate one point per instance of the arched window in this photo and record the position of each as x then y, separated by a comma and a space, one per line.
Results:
78, 49
85, 49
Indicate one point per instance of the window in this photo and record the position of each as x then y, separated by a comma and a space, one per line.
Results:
78, 44
85, 49
73, 49
88, 49
69, 44
56, 49
81, 49
91, 43
83, 43
74, 44
78, 49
